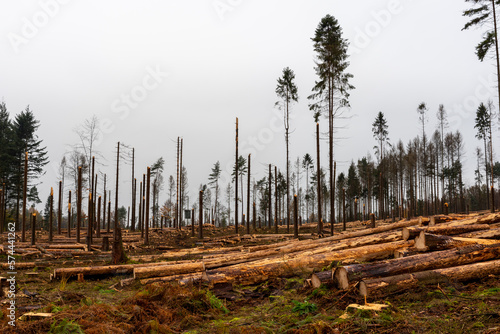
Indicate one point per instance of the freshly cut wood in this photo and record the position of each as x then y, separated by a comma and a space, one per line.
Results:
285, 266
67, 246
493, 233
431, 242
104, 270
301, 248
413, 232
168, 270
347, 275
182, 279
19, 265
392, 284
322, 277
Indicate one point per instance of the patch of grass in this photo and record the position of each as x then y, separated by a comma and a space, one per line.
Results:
63, 283
65, 327
107, 291
304, 308
216, 303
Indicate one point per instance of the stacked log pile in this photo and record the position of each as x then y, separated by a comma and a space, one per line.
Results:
442, 248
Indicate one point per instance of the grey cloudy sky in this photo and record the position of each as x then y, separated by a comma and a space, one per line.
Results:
155, 70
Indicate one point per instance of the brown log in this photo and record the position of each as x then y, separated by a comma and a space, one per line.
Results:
431, 242
493, 233
413, 232
322, 277
19, 265
392, 284
168, 270
344, 276
103, 270
181, 279
404, 252
284, 266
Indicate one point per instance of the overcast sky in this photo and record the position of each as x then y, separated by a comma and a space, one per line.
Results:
155, 70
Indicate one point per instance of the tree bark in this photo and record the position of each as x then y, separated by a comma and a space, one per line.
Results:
387, 285
413, 232
167, 270
345, 276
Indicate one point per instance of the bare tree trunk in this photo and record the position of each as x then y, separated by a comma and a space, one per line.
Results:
181, 192
59, 209
177, 192
79, 205
248, 197
498, 86
146, 222
89, 225
200, 223
115, 226
104, 205
69, 214
98, 234
236, 182
25, 189
270, 212
51, 212
134, 190
140, 210
276, 206
318, 179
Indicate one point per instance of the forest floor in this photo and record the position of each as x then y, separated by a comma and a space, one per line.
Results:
101, 305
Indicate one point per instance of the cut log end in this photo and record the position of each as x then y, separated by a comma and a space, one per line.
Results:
363, 289
322, 277
341, 279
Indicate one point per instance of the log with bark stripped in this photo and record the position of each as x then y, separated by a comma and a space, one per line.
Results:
104, 270
181, 279
391, 284
344, 276
285, 266
413, 232
431, 242
168, 270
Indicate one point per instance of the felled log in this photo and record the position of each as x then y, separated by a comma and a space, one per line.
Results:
493, 233
103, 270
300, 249
167, 270
19, 265
285, 266
67, 246
391, 284
344, 276
431, 242
413, 232
322, 277
181, 279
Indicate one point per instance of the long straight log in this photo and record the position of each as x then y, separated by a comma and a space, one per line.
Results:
284, 266
168, 270
493, 233
105, 270
181, 279
392, 284
345, 276
413, 232
431, 242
